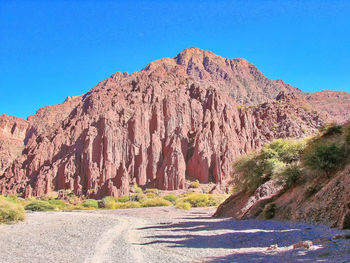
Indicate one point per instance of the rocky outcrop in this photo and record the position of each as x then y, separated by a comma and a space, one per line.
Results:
13, 131
49, 117
243, 205
328, 203
335, 103
176, 119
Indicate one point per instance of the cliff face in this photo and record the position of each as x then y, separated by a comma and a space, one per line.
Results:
176, 119
12, 134
15, 132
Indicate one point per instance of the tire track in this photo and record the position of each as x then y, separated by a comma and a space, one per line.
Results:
124, 236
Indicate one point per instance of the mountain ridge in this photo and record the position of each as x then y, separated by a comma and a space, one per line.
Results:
180, 118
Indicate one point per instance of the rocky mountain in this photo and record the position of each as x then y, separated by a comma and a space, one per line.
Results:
187, 117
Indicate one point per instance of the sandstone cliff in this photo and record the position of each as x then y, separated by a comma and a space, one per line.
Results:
15, 132
179, 118
12, 135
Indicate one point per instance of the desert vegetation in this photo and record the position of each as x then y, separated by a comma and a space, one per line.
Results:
12, 208
292, 162
278, 160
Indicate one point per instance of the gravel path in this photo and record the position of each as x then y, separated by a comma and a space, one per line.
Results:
164, 235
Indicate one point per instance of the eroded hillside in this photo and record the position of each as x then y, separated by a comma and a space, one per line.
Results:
187, 117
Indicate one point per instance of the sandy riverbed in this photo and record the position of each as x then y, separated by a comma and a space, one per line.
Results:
163, 235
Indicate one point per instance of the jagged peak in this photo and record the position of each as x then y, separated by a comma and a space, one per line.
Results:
159, 62
118, 75
195, 54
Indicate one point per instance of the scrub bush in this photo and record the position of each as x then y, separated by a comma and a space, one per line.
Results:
10, 211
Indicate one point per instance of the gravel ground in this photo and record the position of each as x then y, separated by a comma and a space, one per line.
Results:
164, 235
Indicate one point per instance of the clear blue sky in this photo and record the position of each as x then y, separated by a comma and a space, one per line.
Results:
52, 49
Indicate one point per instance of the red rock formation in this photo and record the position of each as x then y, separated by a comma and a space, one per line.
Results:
49, 117
242, 205
15, 132
176, 119
335, 103
12, 134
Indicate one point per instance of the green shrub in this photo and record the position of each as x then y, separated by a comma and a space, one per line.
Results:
150, 195
196, 200
216, 199
127, 205
183, 205
269, 210
90, 203
290, 175
171, 198
40, 206
10, 211
195, 184
137, 189
132, 205
155, 202
152, 190
326, 157
73, 199
109, 202
123, 199
10, 198
347, 135
201, 200
249, 173
80, 207
60, 204
333, 129
137, 197
275, 167
277, 160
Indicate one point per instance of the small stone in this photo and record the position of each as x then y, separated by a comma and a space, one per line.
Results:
272, 247
303, 244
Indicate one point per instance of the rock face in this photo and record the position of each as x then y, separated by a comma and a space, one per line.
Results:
335, 103
12, 135
15, 132
330, 205
244, 206
186, 117
49, 117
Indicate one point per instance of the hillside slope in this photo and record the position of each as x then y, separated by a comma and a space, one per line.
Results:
315, 195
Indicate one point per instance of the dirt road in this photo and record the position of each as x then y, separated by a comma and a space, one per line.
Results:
163, 235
